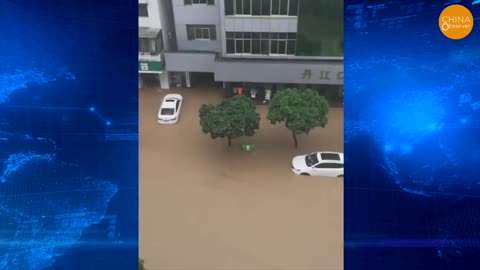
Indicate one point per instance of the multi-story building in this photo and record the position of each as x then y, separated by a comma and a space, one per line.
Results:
279, 42
150, 42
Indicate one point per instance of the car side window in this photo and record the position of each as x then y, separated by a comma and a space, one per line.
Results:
178, 105
329, 166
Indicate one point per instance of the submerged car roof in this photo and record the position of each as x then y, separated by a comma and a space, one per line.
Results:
172, 96
168, 104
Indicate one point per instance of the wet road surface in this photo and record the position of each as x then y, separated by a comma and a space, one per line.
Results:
205, 206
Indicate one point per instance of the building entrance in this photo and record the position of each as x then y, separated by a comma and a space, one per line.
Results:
149, 80
202, 79
193, 79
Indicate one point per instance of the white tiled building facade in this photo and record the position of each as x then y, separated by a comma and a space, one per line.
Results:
245, 41
150, 45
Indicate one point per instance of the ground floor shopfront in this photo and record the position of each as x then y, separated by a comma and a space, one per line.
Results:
204, 69
151, 72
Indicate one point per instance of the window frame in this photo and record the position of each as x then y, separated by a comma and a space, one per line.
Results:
145, 15
265, 8
259, 7
199, 2
151, 44
277, 38
244, 7
296, 8
237, 41
259, 41
247, 41
227, 47
271, 8
264, 40
287, 6
284, 42
235, 7
199, 32
232, 7
294, 46
190, 36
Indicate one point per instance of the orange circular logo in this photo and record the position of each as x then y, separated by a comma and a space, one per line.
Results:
456, 22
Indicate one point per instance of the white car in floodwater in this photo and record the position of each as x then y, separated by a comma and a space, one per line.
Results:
170, 107
319, 164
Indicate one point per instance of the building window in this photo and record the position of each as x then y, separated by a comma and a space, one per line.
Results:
201, 32
293, 8
147, 45
229, 7
142, 10
256, 7
284, 7
239, 7
266, 8
291, 47
239, 46
230, 46
257, 43
246, 7
275, 7
261, 7
198, 2
151, 46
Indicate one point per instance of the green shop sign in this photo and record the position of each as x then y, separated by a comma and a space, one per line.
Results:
148, 66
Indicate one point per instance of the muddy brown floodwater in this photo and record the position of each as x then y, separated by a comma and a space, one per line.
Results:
205, 206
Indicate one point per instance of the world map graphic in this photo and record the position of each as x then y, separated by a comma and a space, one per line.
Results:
45, 203
423, 129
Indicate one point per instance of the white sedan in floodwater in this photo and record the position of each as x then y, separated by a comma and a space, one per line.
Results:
169, 111
319, 164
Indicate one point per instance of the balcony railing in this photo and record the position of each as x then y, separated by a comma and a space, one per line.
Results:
150, 56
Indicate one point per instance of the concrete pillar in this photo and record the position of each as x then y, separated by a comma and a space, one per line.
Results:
140, 81
164, 80
187, 79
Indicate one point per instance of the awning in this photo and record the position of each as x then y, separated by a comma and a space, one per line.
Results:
146, 32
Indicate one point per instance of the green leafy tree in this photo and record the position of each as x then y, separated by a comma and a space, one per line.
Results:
300, 109
233, 118
140, 265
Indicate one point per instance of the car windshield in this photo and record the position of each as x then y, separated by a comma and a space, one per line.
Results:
167, 111
311, 159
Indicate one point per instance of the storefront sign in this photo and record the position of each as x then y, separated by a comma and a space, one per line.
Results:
150, 67
289, 72
322, 75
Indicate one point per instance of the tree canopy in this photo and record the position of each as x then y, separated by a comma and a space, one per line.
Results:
300, 109
234, 117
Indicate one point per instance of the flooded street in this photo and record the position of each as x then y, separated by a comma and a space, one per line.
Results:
207, 206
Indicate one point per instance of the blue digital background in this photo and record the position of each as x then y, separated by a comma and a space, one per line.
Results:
412, 144
68, 135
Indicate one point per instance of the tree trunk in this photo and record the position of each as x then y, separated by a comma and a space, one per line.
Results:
295, 139
229, 141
